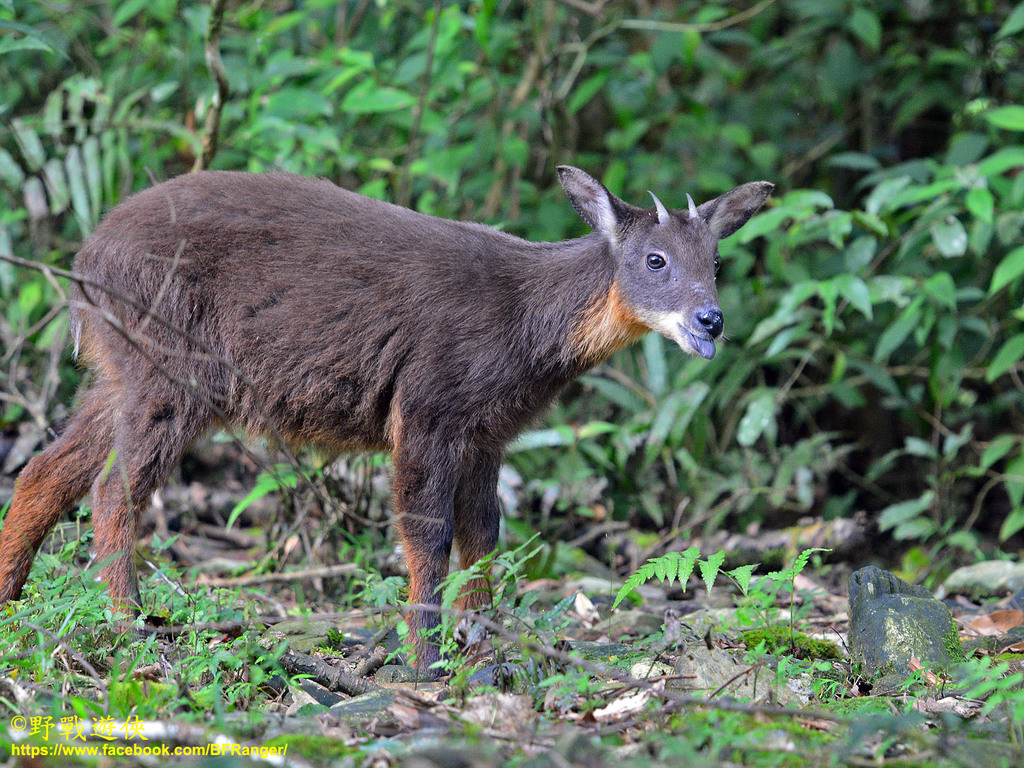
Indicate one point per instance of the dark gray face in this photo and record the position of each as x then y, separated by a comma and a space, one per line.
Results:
666, 275
667, 259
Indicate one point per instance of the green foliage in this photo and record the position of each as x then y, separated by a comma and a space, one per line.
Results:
668, 568
676, 567
874, 306
281, 477
67, 611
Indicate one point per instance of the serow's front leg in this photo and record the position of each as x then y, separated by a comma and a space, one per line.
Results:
477, 521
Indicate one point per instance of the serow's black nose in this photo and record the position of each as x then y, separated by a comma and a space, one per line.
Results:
711, 320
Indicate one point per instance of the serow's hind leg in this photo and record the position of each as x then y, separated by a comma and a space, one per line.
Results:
51, 483
148, 443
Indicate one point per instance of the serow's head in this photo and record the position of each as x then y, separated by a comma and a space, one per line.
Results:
667, 259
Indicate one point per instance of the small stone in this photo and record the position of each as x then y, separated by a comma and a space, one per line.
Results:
647, 668
503, 712
635, 623
401, 673
301, 635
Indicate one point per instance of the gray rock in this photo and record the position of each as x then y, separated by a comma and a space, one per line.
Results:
892, 622
704, 670
301, 635
636, 623
365, 706
991, 578
401, 673
318, 693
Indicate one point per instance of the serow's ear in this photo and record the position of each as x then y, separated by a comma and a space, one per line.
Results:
727, 213
598, 207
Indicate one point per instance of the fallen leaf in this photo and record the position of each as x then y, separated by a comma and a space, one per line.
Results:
998, 622
816, 724
622, 707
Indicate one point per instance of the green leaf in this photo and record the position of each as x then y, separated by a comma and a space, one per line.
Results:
855, 291
1009, 118
34, 37
656, 362
621, 395
296, 104
628, 588
56, 185
904, 511
1001, 161
586, 90
942, 289
1015, 479
885, 193
997, 449
78, 187
29, 297
368, 98
897, 333
267, 482
672, 567
709, 568
127, 10
860, 252
659, 568
595, 428
742, 576
29, 144
1009, 269
93, 175
1008, 356
8, 44
10, 171
758, 418
1013, 523
864, 24
949, 236
981, 204
1014, 23
543, 438
662, 424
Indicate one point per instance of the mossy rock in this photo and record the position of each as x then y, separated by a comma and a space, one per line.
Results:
896, 627
787, 641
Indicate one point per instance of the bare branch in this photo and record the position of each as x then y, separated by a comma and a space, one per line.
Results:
216, 68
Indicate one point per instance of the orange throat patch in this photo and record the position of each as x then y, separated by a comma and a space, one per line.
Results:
606, 326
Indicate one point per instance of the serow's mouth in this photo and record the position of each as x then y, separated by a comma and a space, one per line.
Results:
702, 345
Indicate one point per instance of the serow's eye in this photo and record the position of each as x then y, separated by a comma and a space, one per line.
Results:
656, 261
718, 264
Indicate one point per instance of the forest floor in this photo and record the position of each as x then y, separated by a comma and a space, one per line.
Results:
305, 665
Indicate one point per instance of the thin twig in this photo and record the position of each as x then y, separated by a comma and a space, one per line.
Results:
216, 68
403, 196
280, 577
652, 25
